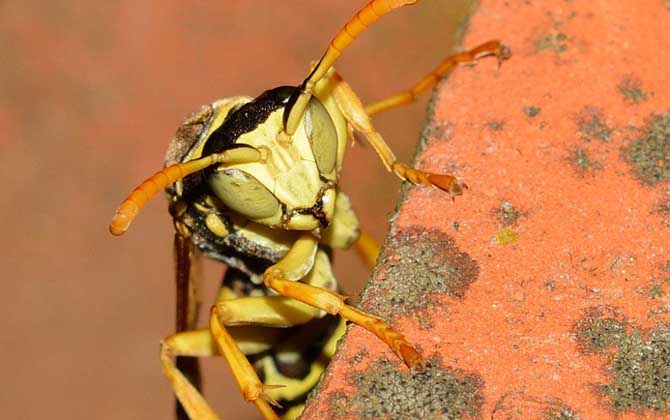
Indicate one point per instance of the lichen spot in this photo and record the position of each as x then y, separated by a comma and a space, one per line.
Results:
419, 266
386, 390
650, 153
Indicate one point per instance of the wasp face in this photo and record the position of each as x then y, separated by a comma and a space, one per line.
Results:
294, 187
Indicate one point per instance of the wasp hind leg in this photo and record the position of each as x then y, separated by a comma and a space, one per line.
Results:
240, 327
255, 320
200, 343
494, 48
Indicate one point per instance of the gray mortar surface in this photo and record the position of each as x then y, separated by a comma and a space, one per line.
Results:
419, 266
640, 360
650, 154
387, 391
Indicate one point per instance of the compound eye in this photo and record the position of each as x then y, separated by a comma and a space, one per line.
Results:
243, 193
322, 136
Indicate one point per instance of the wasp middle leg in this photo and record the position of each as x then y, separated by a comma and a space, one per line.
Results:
284, 277
234, 333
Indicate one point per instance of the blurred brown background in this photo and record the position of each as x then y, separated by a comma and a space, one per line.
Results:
90, 94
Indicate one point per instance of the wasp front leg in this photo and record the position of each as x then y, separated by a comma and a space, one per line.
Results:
358, 116
354, 112
283, 278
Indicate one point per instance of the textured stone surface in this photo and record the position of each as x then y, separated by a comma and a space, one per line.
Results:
565, 150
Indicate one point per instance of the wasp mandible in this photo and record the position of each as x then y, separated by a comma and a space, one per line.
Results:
253, 182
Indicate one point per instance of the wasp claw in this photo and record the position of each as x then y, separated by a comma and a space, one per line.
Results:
457, 190
267, 397
503, 54
273, 386
448, 184
411, 357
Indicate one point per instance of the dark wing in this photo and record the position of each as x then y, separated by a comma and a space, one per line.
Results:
188, 304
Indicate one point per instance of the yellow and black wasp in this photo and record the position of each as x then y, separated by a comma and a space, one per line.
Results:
253, 183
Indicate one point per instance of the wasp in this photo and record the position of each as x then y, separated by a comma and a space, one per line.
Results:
253, 183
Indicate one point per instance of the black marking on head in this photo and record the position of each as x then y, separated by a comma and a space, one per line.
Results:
246, 118
291, 101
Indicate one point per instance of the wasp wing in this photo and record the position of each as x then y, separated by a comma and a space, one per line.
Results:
188, 304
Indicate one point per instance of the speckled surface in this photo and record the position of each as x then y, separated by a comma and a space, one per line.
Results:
565, 150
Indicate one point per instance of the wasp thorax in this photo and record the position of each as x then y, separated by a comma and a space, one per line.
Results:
294, 187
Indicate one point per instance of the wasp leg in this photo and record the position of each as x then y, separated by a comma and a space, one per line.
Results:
274, 311
349, 32
288, 352
199, 343
247, 379
226, 337
352, 109
368, 249
344, 231
280, 311
282, 277
495, 48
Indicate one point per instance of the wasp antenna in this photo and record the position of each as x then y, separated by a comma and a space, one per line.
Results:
350, 31
129, 208
347, 34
